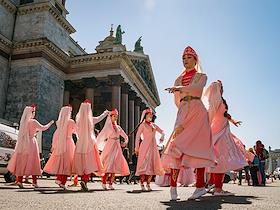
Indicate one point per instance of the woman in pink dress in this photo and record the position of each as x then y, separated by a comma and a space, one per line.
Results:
61, 161
112, 158
86, 156
229, 155
190, 144
149, 162
25, 160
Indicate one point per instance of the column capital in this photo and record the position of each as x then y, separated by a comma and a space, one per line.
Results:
90, 82
116, 80
125, 88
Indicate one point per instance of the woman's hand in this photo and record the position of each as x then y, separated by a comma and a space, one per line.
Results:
237, 123
136, 152
173, 89
124, 144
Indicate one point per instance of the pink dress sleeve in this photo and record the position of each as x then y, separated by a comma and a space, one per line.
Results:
159, 130
123, 134
38, 126
177, 97
100, 117
138, 136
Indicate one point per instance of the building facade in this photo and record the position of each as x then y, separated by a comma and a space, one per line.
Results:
40, 63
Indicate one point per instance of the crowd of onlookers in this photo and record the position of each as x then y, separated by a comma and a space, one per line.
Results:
255, 171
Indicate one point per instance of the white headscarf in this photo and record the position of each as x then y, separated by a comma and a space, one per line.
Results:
212, 99
144, 113
22, 144
85, 131
105, 133
60, 135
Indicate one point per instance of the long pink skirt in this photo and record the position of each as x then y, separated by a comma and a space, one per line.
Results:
149, 162
193, 147
228, 154
87, 163
113, 159
62, 164
26, 164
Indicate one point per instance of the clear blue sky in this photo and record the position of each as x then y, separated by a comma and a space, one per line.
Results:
238, 42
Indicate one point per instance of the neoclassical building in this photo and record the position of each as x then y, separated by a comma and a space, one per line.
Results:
40, 63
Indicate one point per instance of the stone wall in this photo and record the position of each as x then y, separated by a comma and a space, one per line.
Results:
6, 23
35, 83
3, 80
44, 25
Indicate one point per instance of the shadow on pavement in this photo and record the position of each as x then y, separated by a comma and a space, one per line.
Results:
140, 191
210, 202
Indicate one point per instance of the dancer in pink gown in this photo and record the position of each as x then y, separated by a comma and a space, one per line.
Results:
149, 163
61, 161
25, 160
86, 156
190, 144
229, 155
112, 158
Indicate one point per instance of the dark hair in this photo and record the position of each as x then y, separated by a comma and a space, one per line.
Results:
259, 142
226, 114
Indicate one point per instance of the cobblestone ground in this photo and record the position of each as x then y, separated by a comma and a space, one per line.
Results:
49, 196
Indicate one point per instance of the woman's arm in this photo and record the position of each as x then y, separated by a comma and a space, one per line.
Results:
138, 137
124, 135
41, 127
159, 130
100, 117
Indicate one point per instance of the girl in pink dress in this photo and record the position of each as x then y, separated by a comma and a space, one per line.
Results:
112, 158
25, 160
86, 156
61, 161
149, 162
229, 155
190, 144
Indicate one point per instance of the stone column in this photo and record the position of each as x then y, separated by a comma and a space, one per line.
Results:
68, 85
116, 81
137, 111
90, 84
124, 107
131, 121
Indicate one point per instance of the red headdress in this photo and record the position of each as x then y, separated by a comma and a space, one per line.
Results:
33, 106
87, 101
190, 51
114, 112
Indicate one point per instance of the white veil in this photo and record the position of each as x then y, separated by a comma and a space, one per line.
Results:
60, 135
84, 123
23, 134
212, 99
104, 133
